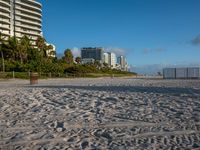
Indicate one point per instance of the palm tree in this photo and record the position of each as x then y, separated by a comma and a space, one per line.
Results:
78, 60
41, 45
68, 56
105, 65
12, 49
50, 51
97, 64
24, 48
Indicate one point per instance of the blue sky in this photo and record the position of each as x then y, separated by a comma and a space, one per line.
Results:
148, 32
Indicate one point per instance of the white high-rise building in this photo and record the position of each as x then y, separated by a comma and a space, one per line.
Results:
21, 17
110, 59
121, 60
113, 60
106, 58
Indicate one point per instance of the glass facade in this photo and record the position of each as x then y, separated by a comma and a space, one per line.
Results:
94, 53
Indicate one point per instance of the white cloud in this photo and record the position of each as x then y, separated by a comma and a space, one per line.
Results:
76, 52
118, 51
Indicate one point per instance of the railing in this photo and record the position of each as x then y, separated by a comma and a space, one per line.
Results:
5, 3
29, 6
29, 11
5, 15
28, 21
5, 8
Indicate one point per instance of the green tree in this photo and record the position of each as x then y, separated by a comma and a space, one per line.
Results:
68, 56
24, 48
51, 52
78, 60
42, 47
11, 48
97, 64
105, 65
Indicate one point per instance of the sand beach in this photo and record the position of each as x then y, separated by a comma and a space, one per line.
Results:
102, 113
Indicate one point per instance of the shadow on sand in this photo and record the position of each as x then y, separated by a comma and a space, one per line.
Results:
161, 90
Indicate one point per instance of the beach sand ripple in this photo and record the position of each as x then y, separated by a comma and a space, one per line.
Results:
104, 113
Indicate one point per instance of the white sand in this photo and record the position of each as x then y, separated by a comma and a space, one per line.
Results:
104, 113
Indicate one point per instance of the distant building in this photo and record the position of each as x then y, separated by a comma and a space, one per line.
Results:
121, 60
110, 59
113, 60
95, 53
106, 58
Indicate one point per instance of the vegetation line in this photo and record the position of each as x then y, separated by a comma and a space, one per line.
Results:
23, 56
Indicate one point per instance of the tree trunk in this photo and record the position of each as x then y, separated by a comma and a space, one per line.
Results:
3, 64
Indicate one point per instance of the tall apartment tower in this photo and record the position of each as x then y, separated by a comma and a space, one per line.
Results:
21, 17
110, 59
113, 60
106, 58
121, 60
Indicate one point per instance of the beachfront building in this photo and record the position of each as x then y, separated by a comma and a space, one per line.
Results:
106, 58
121, 60
21, 17
95, 53
110, 59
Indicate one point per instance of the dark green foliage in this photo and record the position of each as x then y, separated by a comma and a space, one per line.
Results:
78, 60
21, 56
68, 56
81, 69
92, 71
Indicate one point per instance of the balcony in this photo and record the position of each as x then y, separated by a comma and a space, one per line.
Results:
5, 15
4, 21
28, 27
5, 27
4, 32
29, 6
29, 16
5, 9
3, 3
36, 3
27, 32
28, 11
29, 22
